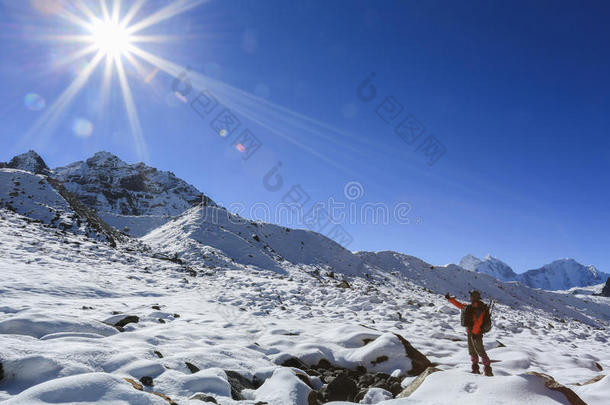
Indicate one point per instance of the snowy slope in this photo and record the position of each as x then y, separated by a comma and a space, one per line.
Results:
457, 281
212, 236
490, 265
58, 290
33, 196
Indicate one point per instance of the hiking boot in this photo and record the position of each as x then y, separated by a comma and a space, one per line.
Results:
475, 368
488, 371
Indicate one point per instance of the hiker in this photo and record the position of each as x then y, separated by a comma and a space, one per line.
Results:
477, 320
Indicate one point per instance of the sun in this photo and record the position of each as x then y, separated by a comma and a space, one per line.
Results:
110, 37
103, 33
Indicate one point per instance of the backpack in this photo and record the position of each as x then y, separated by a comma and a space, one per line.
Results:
466, 317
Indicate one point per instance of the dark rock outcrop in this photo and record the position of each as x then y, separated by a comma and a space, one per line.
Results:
147, 381
341, 388
203, 398
419, 362
239, 383
126, 320
192, 368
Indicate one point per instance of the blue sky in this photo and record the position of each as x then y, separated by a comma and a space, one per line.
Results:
517, 92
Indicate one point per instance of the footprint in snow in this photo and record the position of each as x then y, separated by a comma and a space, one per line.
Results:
470, 388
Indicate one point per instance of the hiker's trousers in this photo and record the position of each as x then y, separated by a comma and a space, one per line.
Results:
476, 349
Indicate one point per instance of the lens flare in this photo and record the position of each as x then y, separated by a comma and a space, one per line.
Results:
82, 128
34, 102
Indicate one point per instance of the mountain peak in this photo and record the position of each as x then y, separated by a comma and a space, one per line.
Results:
562, 274
105, 159
490, 265
469, 262
116, 189
30, 162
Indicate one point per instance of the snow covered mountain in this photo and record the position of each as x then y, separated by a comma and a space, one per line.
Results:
562, 274
490, 265
135, 198
29, 162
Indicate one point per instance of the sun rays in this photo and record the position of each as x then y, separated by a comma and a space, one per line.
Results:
113, 37
106, 35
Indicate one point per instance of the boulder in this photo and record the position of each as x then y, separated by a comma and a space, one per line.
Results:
342, 388
410, 389
238, 383
203, 398
418, 360
551, 384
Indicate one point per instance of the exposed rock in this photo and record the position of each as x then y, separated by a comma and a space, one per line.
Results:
165, 397
418, 360
146, 381
204, 398
134, 384
158, 353
193, 368
1, 371
592, 380
551, 384
410, 389
127, 320
344, 284
295, 363
238, 384
341, 388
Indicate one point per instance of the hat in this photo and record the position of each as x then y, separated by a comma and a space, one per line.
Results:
475, 294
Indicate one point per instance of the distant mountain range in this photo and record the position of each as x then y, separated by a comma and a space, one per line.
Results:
110, 200
561, 274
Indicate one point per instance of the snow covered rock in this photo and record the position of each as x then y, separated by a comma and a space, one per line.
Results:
85, 389
460, 387
596, 392
41, 325
376, 395
283, 388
